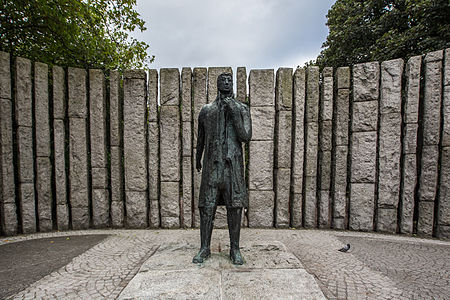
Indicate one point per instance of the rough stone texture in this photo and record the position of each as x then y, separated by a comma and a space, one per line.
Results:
213, 73
116, 187
343, 77
432, 103
263, 123
99, 177
310, 213
27, 207
361, 206
326, 136
366, 78
77, 93
97, 110
100, 207
25, 143
299, 136
409, 183
170, 204
312, 94
446, 120
187, 138
365, 116
60, 172
297, 210
284, 139
342, 116
170, 144
153, 171
444, 192
260, 210
187, 192
410, 138
340, 186
261, 165
135, 135
23, 85
434, 56
282, 198
152, 95
387, 220
426, 218
117, 217
363, 156
283, 89
169, 86
391, 86
324, 209
241, 84
136, 205
62, 212
429, 175
325, 170
115, 108
42, 125
326, 101
312, 148
262, 88
412, 93
447, 67
59, 102
5, 76
44, 192
186, 95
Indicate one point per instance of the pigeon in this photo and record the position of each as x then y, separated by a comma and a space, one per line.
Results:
345, 248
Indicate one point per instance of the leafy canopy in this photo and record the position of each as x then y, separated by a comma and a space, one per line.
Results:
368, 30
80, 33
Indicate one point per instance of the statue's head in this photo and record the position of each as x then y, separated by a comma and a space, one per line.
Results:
225, 82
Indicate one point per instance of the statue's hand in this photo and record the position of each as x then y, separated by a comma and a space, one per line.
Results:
228, 102
199, 166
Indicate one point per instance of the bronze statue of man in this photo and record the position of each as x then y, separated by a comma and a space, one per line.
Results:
223, 126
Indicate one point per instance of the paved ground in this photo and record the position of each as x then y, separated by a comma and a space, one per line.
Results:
377, 266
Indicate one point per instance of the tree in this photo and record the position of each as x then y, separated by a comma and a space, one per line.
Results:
368, 30
80, 33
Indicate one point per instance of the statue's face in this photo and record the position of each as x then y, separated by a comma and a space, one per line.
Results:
225, 83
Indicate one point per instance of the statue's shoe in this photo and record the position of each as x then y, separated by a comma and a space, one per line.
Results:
236, 257
201, 256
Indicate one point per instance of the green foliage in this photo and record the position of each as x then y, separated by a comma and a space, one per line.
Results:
368, 30
80, 33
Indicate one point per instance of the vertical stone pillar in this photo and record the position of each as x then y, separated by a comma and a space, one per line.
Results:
23, 106
411, 118
299, 94
99, 170
153, 148
135, 147
431, 135
42, 133
364, 145
78, 157
283, 133
59, 150
262, 110
312, 146
325, 139
170, 146
340, 153
186, 118
444, 193
8, 217
389, 144
198, 99
241, 84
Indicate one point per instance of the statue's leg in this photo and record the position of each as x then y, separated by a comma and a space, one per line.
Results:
234, 217
207, 215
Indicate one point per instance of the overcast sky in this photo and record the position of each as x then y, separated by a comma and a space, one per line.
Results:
252, 33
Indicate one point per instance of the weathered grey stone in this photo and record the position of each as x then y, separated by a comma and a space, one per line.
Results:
78, 168
23, 92
260, 210
410, 138
170, 86
387, 220
326, 135
366, 79
446, 119
310, 202
361, 206
213, 73
339, 223
77, 93
429, 174
261, 165
443, 232
434, 56
186, 95
136, 206
426, 218
25, 141
170, 204
261, 87
447, 67
241, 84
324, 209
152, 95
198, 97
432, 103
343, 77
154, 214
312, 94
412, 89
365, 116
116, 187
325, 170
27, 207
135, 74
5, 76
326, 100
263, 123
169, 132
444, 191
340, 183
187, 192
409, 184
153, 159
312, 148
391, 86
59, 102
363, 156
342, 116
7, 192
284, 139
62, 213
44, 192
80, 218
283, 89
296, 204
299, 134
99, 178
187, 139
9, 218
220, 220
60, 174
135, 136
100, 208
117, 214
115, 108
389, 151
42, 123
97, 110
283, 179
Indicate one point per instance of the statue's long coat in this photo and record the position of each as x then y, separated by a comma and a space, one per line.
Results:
238, 130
